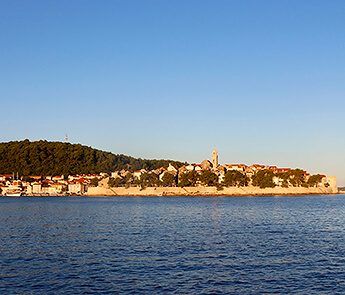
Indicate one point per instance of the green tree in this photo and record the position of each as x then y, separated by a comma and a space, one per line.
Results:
235, 178
285, 183
314, 180
285, 176
208, 178
149, 179
263, 179
168, 179
57, 158
94, 181
115, 182
296, 177
136, 182
188, 179
128, 180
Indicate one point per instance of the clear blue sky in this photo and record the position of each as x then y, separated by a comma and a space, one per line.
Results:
262, 81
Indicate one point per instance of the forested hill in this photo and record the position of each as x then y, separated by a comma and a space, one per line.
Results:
58, 158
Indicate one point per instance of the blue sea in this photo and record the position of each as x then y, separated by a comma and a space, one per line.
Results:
172, 245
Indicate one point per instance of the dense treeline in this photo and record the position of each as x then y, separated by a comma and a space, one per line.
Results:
57, 158
232, 178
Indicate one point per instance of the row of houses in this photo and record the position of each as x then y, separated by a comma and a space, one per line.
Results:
219, 170
48, 185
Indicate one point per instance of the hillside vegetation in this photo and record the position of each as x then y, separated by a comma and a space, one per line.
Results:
57, 158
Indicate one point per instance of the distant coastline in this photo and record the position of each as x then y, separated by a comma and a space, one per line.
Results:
136, 177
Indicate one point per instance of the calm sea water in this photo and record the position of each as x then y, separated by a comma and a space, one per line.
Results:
172, 245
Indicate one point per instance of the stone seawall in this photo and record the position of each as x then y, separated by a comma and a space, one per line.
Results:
208, 191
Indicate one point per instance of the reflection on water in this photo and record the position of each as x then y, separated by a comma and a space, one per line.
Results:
172, 245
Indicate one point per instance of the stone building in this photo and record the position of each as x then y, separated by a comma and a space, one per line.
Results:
332, 181
206, 165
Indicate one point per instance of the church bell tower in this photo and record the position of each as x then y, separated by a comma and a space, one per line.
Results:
214, 158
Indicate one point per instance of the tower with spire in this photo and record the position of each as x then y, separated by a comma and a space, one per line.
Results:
214, 158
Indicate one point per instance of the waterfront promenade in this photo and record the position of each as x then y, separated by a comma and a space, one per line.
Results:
208, 191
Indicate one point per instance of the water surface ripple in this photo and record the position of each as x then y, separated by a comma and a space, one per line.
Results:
172, 245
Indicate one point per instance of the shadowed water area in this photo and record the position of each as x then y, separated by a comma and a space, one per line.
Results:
172, 245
